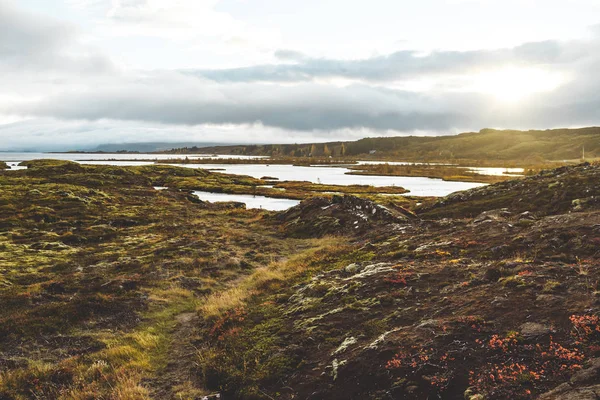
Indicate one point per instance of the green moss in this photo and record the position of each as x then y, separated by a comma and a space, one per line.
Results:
95, 250
248, 354
551, 286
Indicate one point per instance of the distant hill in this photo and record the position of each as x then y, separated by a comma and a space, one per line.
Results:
487, 144
150, 147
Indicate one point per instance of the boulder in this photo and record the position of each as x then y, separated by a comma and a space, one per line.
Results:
338, 215
493, 215
531, 330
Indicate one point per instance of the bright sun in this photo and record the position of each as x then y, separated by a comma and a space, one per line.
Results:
512, 84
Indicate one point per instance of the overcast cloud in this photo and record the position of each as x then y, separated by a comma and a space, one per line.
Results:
66, 83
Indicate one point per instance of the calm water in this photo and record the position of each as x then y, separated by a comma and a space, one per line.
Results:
265, 203
418, 186
14, 165
479, 170
497, 171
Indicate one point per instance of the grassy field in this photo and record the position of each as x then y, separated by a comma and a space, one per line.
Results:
96, 268
113, 290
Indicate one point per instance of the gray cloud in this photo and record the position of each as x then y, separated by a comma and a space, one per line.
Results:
31, 43
48, 134
402, 64
191, 101
63, 81
289, 55
171, 98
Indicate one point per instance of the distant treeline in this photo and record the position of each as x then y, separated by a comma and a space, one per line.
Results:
335, 149
532, 146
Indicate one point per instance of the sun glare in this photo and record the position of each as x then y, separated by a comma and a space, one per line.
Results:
515, 83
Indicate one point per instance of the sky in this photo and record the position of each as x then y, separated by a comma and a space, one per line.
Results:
78, 73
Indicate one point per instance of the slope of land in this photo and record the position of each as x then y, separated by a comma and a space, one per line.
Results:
113, 290
469, 300
98, 270
486, 146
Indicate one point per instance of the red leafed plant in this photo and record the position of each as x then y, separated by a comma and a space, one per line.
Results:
224, 325
399, 278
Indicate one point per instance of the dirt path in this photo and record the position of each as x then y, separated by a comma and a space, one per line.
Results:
180, 379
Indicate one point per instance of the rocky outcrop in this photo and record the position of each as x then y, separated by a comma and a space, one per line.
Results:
500, 303
561, 190
584, 385
340, 215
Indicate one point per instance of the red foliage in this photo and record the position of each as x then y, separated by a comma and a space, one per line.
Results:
474, 322
504, 344
585, 327
507, 378
222, 327
399, 278
425, 363
525, 273
512, 367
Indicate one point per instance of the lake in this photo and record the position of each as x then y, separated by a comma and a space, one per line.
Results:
417, 186
266, 203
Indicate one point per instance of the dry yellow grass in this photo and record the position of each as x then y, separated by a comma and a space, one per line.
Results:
129, 388
261, 279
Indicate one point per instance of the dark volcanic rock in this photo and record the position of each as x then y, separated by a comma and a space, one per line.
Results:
493, 215
583, 385
531, 330
565, 189
346, 215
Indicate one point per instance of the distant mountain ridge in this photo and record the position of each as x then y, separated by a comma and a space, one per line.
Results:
151, 147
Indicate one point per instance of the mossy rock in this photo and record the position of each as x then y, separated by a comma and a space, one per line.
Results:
52, 166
